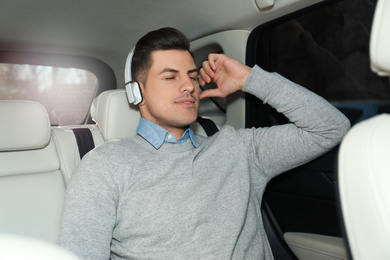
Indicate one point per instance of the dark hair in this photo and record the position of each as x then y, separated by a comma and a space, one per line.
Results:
161, 39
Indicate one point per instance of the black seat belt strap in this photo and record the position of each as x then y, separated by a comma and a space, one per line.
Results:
208, 125
84, 140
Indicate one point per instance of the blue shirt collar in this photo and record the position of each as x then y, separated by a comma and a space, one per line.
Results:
157, 136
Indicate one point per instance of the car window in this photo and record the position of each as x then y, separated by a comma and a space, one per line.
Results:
326, 49
64, 84
66, 93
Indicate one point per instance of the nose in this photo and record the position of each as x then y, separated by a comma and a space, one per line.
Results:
188, 84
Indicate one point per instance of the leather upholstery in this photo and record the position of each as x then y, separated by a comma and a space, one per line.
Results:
24, 125
32, 189
380, 39
17, 247
364, 177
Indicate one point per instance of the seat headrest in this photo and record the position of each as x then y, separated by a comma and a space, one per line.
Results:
380, 39
363, 179
24, 125
114, 115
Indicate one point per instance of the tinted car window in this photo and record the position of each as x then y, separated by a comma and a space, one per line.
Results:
326, 49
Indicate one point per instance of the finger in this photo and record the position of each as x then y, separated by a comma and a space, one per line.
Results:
201, 81
211, 93
206, 66
204, 77
211, 59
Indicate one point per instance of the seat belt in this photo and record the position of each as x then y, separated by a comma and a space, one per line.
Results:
84, 140
208, 125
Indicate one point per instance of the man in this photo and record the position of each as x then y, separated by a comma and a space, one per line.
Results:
167, 194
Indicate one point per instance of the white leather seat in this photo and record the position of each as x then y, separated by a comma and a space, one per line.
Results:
31, 185
114, 118
66, 145
364, 163
380, 39
364, 178
21, 248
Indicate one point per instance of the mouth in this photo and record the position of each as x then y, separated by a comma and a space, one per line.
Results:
188, 102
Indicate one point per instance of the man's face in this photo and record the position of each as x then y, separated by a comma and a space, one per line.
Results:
171, 91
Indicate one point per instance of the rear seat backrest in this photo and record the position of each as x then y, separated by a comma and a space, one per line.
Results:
67, 149
114, 118
31, 185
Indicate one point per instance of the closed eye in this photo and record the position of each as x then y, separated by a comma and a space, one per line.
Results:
194, 76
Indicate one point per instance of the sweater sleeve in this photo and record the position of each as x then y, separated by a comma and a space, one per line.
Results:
316, 126
90, 210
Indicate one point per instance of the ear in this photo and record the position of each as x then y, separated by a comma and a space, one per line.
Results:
141, 89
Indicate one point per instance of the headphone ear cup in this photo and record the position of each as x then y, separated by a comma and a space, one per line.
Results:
134, 93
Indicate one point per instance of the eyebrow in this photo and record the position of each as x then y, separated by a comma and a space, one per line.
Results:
192, 71
168, 70
176, 71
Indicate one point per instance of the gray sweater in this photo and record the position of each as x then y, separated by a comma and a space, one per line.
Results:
128, 200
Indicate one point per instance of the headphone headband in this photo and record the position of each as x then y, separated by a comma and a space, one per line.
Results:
129, 61
133, 90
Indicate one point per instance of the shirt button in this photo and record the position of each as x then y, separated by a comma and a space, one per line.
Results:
169, 137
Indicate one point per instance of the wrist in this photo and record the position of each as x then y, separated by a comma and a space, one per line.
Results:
245, 75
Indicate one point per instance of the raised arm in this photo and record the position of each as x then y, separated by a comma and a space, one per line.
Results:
316, 126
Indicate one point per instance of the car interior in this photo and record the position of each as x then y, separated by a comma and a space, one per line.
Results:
62, 93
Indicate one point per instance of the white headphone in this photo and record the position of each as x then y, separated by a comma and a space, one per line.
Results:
132, 88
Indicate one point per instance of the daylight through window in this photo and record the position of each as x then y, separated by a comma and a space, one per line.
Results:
66, 93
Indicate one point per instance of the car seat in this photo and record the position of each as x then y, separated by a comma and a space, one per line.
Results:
364, 163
